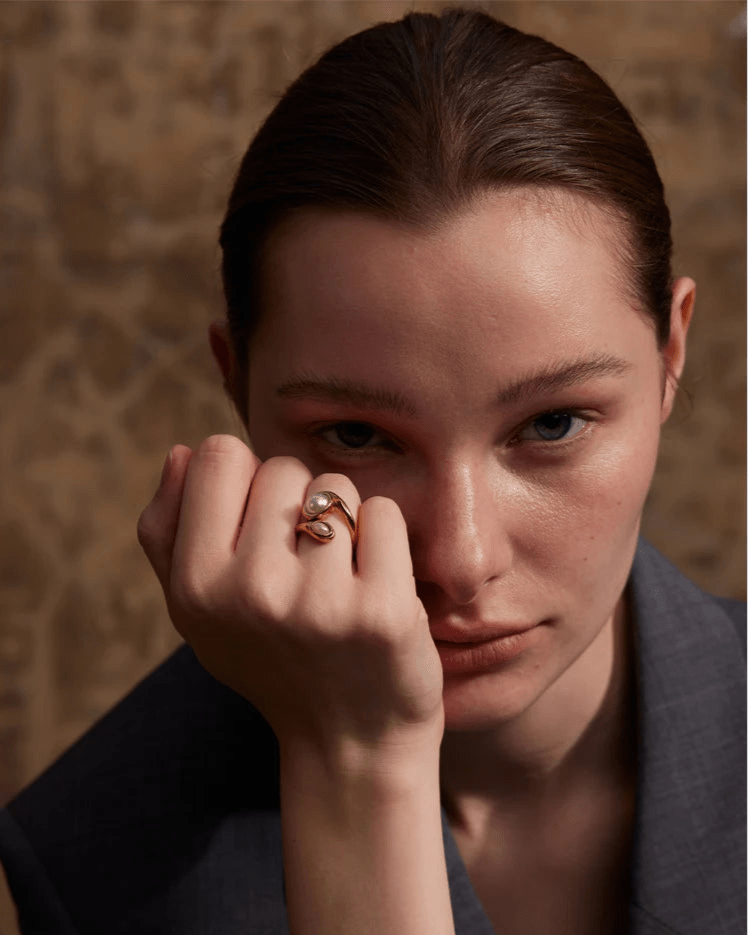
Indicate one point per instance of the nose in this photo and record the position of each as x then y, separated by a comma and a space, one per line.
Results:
459, 532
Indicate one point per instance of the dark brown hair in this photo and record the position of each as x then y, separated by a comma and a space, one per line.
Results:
412, 120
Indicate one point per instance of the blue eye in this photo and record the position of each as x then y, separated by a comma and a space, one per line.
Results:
553, 427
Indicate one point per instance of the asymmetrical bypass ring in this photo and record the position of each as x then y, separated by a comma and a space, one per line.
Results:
319, 505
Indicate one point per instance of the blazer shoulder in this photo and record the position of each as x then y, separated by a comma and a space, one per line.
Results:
736, 611
688, 867
660, 587
168, 780
178, 720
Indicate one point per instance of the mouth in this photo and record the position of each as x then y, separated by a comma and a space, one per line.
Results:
443, 633
492, 651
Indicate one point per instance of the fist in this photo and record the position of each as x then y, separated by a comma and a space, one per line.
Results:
330, 643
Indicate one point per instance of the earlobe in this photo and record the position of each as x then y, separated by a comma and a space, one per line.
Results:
674, 352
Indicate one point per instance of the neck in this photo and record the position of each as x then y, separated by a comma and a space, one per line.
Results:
579, 735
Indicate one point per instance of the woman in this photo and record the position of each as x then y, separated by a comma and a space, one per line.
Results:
453, 336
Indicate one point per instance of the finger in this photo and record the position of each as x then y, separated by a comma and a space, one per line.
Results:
215, 493
383, 551
157, 526
336, 553
272, 510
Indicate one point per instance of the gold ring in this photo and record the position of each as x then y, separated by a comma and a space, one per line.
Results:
319, 505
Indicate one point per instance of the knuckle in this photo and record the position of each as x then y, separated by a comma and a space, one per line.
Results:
383, 510
147, 529
258, 602
340, 479
323, 614
286, 464
222, 448
283, 461
377, 615
383, 505
259, 597
189, 593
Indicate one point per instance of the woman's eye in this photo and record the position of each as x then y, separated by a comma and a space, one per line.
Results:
553, 427
350, 435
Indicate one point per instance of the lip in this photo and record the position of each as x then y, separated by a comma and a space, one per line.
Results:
460, 656
444, 633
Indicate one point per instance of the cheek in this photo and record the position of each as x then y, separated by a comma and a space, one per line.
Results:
611, 491
585, 518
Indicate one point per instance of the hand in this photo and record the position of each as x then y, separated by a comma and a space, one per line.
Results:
334, 651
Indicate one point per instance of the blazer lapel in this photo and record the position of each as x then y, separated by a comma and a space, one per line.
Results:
688, 872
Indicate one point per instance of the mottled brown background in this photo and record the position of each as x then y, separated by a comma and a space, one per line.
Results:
121, 125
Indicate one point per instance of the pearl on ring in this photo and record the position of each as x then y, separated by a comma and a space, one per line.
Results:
320, 504
317, 503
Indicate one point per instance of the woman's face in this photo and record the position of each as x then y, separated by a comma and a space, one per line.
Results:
492, 379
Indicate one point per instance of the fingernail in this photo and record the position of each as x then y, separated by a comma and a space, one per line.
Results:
166, 469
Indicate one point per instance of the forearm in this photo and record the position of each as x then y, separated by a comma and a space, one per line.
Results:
364, 853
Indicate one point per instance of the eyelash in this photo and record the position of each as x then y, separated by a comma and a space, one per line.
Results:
358, 452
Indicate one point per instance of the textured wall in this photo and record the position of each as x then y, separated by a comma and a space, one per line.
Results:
121, 125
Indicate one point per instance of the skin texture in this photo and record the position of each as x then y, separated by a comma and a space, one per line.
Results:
503, 527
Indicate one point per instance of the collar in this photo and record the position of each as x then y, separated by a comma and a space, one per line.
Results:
688, 862
688, 869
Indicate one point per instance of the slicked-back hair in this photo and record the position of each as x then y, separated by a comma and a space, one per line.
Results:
413, 121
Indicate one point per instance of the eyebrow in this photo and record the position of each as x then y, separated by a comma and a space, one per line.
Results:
561, 375
555, 377
337, 390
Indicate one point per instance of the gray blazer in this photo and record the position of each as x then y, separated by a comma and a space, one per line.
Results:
164, 818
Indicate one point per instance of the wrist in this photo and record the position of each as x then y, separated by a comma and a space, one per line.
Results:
362, 843
395, 766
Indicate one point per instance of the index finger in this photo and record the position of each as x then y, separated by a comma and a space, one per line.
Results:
215, 494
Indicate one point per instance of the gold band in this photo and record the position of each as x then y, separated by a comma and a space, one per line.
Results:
319, 505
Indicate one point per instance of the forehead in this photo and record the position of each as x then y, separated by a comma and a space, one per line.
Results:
515, 272
518, 285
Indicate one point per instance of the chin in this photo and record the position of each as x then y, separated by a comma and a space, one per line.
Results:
487, 700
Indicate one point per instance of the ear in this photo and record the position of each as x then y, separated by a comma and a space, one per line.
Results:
223, 352
674, 352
